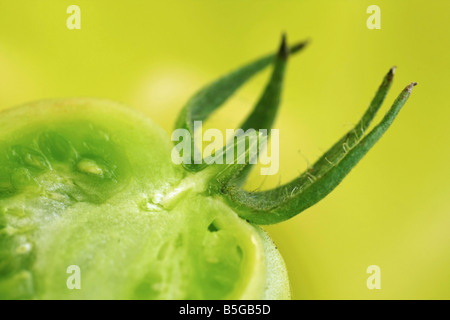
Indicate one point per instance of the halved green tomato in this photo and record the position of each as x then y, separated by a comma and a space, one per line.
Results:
90, 183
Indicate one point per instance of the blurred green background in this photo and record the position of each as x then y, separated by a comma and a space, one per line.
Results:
391, 211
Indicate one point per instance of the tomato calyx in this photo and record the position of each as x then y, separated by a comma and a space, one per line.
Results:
279, 204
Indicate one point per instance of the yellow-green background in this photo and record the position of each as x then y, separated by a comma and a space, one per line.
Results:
392, 210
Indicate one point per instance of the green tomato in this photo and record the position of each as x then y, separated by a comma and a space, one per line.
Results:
90, 183
83, 182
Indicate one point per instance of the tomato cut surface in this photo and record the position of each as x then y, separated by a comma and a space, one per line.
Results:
89, 183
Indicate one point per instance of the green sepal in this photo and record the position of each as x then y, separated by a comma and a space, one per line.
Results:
264, 113
211, 97
284, 202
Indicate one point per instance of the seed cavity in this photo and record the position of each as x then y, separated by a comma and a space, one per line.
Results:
60, 197
29, 157
55, 146
213, 227
90, 166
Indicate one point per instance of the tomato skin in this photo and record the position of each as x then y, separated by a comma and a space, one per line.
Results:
84, 183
